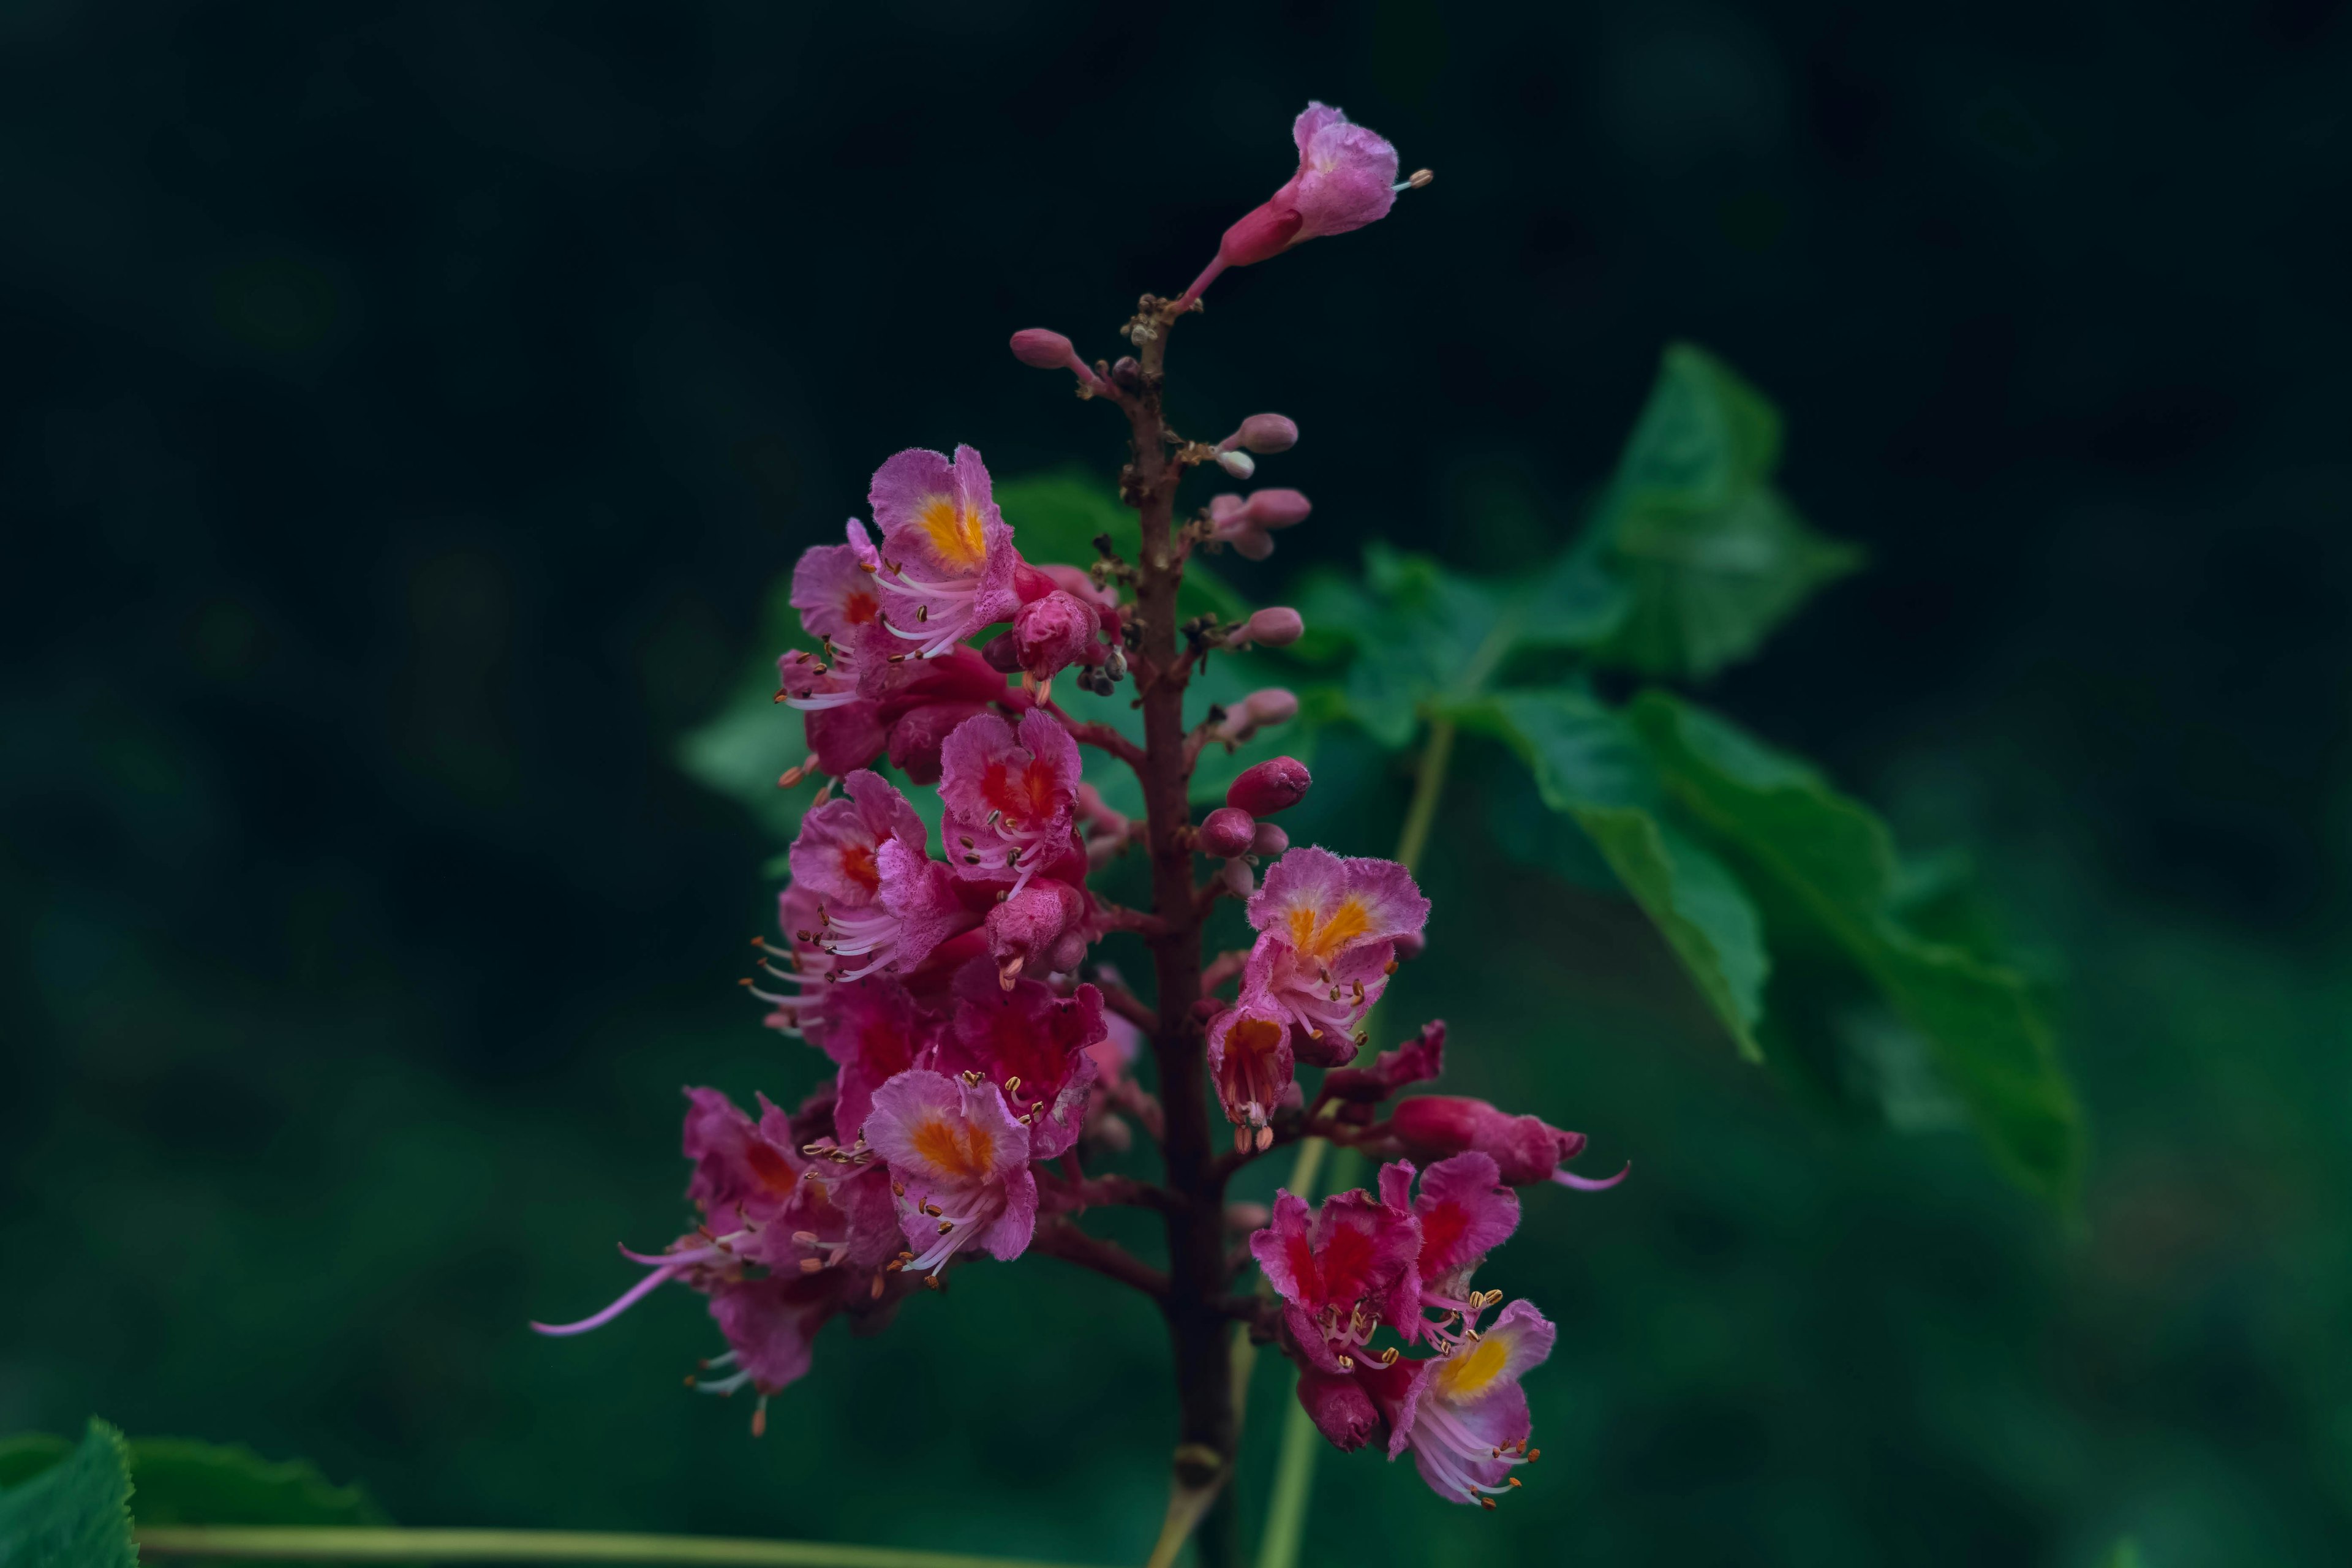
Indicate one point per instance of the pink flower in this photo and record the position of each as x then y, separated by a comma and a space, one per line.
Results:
875, 1031
1010, 797
835, 589
1346, 179
1465, 1213
835, 853
1041, 929
959, 1159
947, 559
1326, 927
1339, 1272
1463, 1414
1032, 1044
1524, 1148
1253, 1065
915, 909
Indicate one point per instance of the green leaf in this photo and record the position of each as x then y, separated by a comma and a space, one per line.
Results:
1713, 555
24, 1454
185, 1482
2125, 1555
740, 750
74, 1514
1588, 764
1831, 865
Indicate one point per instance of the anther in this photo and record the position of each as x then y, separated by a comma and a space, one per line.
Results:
805, 1238
875, 1293
1011, 1086
760, 1417
1487, 1503
812, 1265
946, 1225
1389, 967
1513, 1479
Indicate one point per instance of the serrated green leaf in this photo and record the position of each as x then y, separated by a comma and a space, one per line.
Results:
1713, 555
74, 1514
1588, 765
184, 1482
1832, 864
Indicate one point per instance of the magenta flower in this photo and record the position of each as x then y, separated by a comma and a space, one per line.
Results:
1346, 179
836, 853
1463, 1414
1031, 1042
1524, 1148
958, 1160
1253, 1065
1340, 1272
836, 591
1327, 925
1053, 632
1465, 1213
947, 559
1010, 796
873, 1030
1042, 929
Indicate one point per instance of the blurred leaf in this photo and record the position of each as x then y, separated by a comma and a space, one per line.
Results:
2125, 1555
1833, 864
740, 750
1713, 555
1420, 632
74, 1514
24, 1454
185, 1482
1588, 764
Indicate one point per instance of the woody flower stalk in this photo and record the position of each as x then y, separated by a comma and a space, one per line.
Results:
982, 1062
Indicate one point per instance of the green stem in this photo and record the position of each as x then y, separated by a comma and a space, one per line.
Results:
1294, 1472
266, 1543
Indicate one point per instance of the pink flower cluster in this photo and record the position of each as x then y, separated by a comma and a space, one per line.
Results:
983, 1060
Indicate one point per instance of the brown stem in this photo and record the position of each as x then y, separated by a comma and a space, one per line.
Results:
1199, 1332
1065, 1240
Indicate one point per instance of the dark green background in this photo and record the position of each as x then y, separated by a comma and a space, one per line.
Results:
409, 406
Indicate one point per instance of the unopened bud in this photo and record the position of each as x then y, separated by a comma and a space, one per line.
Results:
1127, 372
1276, 508
1275, 626
1411, 944
1227, 832
1247, 1216
1268, 705
1263, 434
1241, 464
1270, 840
1238, 878
1273, 785
1051, 350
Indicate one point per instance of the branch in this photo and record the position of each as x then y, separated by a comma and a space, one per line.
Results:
1100, 736
1126, 1003
1118, 917
1066, 1241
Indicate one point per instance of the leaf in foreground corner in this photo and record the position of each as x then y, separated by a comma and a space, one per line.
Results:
74, 1514
1832, 864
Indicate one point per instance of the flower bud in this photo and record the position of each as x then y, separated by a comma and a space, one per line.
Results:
1052, 633
1275, 626
1247, 1216
1276, 508
1339, 1406
1124, 370
1241, 464
1045, 349
1239, 879
1226, 832
1269, 840
1265, 434
1411, 944
1051, 350
1269, 705
1003, 652
1273, 785
1526, 1148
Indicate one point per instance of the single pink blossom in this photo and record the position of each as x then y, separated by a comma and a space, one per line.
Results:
1346, 179
834, 854
1463, 1414
1340, 1269
1326, 925
958, 1159
1465, 1213
948, 558
1524, 1148
1031, 1042
1011, 796
1252, 1063
1040, 929
837, 590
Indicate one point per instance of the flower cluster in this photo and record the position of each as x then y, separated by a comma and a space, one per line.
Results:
983, 1061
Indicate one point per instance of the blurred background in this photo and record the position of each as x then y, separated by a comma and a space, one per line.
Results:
409, 406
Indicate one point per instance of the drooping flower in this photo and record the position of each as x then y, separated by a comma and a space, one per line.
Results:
1010, 796
1524, 1148
1340, 1270
1463, 1414
948, 558
1346, 179
959, 1161
1253, 1066
1326, 927
1465, 1213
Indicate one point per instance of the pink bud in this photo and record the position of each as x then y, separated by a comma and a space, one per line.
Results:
1275, 626
1276, 508
1241, 464
1411, 944
1003, 652
1051, 350
1269, 705
1341, 1409
1269, 840
1275, 784
1263, 434
1045, 349
1052, 633
1526, 1148
1226, 832
1238, 879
